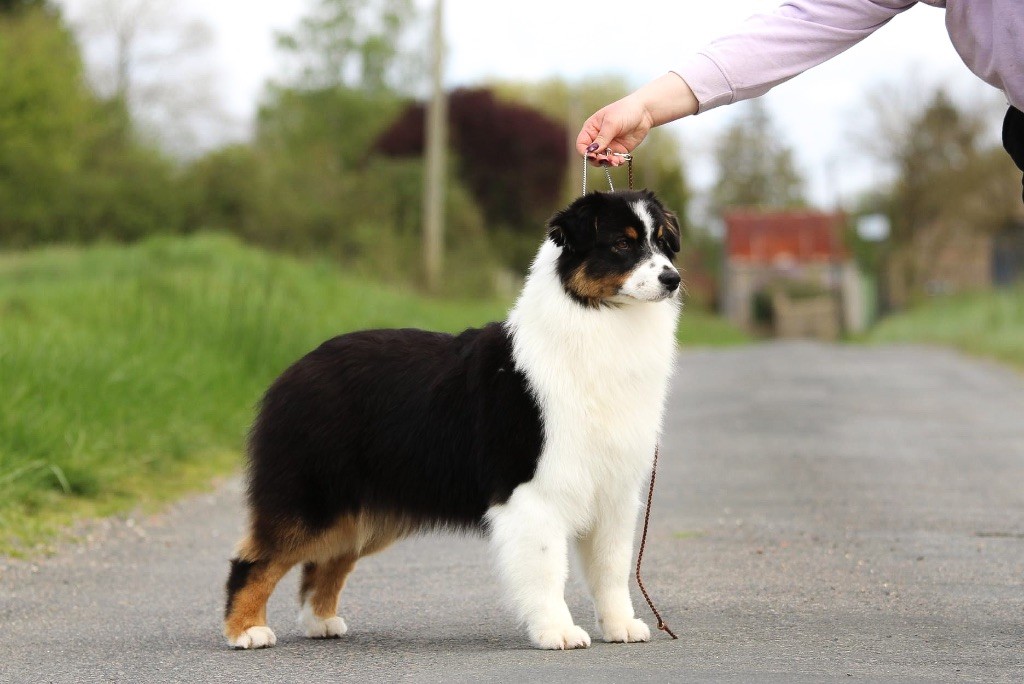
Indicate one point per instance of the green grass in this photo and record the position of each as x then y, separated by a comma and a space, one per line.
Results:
698, 328
987, 324
128, 375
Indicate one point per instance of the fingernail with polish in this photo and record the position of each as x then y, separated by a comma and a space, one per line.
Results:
593, 148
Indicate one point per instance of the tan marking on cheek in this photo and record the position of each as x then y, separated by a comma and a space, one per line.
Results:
593, 288
631, 233
661, 232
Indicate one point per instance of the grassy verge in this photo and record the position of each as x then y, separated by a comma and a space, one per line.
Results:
989, 324
128, 375
698, 328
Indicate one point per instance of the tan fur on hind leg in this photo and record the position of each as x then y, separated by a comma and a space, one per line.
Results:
329, 557
350, 538
249, 586
319, 594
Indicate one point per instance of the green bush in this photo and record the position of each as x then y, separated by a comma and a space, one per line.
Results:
70, 169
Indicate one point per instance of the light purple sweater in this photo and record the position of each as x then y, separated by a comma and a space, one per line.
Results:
770, 48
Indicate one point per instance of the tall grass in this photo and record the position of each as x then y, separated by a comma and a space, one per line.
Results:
130, 374
988, 324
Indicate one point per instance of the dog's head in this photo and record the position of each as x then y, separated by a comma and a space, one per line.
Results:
617, 247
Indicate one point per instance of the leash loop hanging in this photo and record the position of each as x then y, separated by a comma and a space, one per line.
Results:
626, 156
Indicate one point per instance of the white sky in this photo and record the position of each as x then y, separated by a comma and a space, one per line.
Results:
638, 40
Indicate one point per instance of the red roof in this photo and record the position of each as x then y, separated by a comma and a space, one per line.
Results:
794, 236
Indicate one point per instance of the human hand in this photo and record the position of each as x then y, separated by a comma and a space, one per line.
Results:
622, 125
618, 127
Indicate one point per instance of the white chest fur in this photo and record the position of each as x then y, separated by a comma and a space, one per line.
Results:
601, 378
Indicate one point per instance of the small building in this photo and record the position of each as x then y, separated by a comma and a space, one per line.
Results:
788, 273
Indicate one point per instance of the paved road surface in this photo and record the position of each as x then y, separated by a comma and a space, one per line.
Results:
822, 513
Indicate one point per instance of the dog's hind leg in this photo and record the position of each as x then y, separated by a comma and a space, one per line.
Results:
319, 593
250, 584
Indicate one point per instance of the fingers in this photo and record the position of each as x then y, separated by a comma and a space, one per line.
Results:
587, 141
597, 140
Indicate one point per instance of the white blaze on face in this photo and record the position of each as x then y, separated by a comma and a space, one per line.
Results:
643, 283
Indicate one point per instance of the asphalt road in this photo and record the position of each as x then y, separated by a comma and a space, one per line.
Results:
822, 513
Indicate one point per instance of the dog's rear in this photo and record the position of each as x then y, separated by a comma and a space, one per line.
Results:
371, 437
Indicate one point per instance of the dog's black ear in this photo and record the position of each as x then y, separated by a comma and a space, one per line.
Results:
672, 233
575, 227
670, 229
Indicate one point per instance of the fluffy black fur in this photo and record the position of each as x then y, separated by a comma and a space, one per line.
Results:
430, 426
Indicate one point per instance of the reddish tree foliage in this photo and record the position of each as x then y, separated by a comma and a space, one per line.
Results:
404, 137
511, 157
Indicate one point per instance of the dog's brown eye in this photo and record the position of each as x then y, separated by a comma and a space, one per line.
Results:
622, 244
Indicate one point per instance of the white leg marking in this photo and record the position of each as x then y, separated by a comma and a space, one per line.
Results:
531, 546
606, 553
254, 637
561, 639
321, 628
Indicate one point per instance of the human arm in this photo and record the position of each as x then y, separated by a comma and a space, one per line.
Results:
771, 48
623, 124
765, 50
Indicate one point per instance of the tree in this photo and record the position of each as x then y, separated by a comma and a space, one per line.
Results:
46, 115
13, 6
69, 168
157, 61
511, 156
354, 44
322, 119
943, 169
755, 168
950, 186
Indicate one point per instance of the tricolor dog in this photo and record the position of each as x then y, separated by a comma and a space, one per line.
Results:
538, 430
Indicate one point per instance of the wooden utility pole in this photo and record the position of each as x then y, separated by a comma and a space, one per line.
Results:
436, 146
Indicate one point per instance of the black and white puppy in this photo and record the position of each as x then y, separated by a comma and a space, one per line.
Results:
538, 430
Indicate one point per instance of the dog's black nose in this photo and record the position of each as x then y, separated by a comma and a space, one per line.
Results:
670, 279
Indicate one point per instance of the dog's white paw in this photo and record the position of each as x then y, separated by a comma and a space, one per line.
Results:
254, 637
319, 628
561, 638
626, 631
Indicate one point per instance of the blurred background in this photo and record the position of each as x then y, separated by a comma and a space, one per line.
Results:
192, 194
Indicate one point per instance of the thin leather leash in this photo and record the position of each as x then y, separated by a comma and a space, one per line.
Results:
662, 625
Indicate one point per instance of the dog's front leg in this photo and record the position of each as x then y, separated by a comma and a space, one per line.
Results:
531, 545
606, 554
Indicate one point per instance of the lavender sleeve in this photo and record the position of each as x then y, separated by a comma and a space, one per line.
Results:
770, 48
